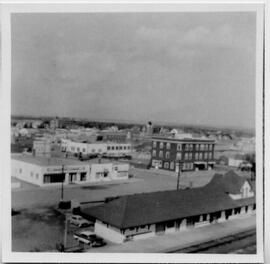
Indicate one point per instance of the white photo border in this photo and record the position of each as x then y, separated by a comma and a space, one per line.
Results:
7, 10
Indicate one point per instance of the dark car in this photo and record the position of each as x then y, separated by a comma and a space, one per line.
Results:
89, 238
98, 242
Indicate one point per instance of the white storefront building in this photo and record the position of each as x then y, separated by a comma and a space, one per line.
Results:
108, 148
46, 171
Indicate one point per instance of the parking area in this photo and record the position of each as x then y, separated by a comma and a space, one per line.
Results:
143, 181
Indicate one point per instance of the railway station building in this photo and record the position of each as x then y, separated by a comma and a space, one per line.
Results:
139, 216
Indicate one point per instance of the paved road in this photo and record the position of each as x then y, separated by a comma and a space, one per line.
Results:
144, 181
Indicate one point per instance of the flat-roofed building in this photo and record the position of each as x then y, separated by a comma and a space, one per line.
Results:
44, 171
191, 153
109, 149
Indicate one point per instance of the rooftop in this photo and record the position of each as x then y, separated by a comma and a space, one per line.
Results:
230, 182
147, 208
46, 161
175, 139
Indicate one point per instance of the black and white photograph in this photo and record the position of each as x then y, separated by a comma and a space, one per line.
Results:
135, 129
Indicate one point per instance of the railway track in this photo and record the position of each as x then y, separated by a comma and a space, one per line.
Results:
220, 242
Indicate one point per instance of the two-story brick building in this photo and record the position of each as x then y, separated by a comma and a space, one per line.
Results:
191, 153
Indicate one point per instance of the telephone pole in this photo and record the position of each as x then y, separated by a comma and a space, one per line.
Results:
179, 173
62, 186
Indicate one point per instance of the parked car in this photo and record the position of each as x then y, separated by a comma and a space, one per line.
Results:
79, 221
89, 238
99, 242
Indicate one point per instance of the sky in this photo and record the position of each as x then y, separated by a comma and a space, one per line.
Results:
186, 68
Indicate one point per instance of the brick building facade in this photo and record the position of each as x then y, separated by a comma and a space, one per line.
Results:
192, 154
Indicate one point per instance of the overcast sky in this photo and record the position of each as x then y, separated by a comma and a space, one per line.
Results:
195, 68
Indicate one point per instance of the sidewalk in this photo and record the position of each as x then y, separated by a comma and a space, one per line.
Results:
165, 243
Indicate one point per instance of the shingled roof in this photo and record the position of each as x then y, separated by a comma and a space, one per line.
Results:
148, 208
230, 182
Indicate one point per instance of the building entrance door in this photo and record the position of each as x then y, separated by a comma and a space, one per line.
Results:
160, 228
71, 177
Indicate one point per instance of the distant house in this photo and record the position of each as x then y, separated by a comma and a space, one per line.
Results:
236, 161
139, 216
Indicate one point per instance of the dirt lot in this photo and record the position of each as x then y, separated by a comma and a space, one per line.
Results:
36, 230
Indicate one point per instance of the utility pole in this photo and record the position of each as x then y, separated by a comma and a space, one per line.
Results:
66, 230
179, 173
62, 186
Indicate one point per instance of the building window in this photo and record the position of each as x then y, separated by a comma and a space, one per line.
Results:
190, 156
179, 147
210, 155
191, 147
200, 156
108, 148
168, 145
161, 154
197, 147
83, 176
154, 144
32, 174
93, 150
167, 155
186, 156
112, 148
202, 146
179, 156
120, 147
78, 149
37, 175
172, 165
166, 165
154, 153
161, 145
20, 170
196, 156
83, 149
116, 147
128, 147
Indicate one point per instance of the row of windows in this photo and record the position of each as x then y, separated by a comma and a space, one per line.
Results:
187, 156
118, 147
188, 147
171, 165
32, 175
100, 150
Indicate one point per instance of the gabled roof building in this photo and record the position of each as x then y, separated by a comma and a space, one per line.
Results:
143, 215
